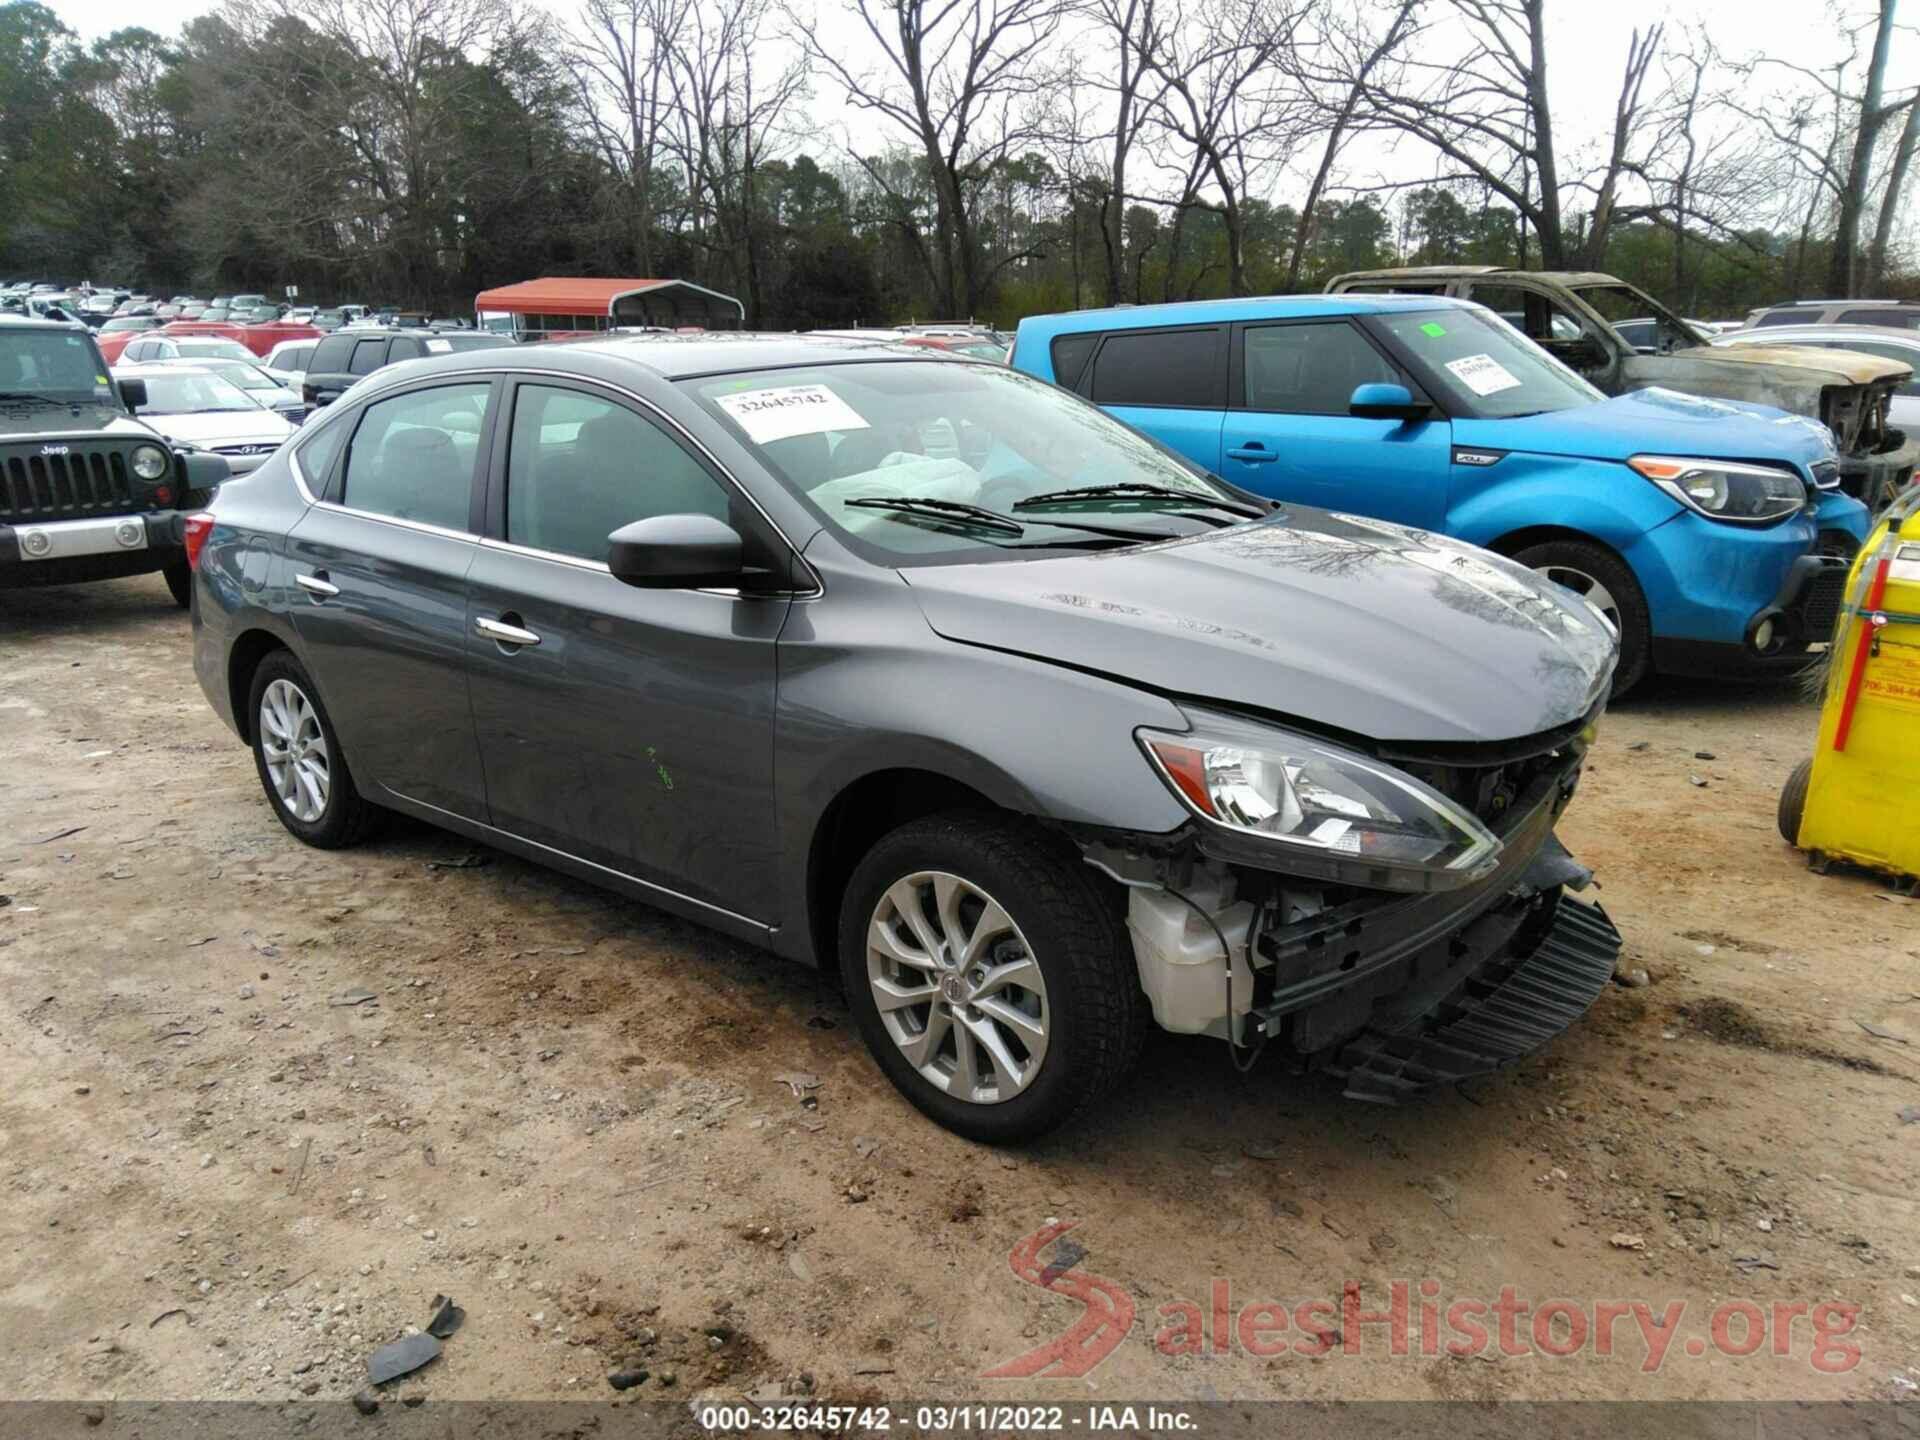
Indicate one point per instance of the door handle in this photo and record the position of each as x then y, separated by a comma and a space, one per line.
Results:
317, 585
1253, 452
505, 634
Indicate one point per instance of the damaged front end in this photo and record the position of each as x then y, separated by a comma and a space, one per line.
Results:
1391, 984
1850, 394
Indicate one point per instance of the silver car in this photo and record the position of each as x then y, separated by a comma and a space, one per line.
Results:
198, 409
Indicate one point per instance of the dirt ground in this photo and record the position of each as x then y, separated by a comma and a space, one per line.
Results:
223, 1179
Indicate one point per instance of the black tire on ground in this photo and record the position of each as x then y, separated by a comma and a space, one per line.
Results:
1636, 636
1793, 801
179, 578
1097, 1014
347, 818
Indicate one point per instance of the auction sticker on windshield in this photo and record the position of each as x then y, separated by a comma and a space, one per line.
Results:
788, 411
1483, 374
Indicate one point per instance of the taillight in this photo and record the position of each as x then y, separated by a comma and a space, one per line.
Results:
198, 528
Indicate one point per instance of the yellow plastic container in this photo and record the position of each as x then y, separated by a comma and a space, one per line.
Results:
1858, 798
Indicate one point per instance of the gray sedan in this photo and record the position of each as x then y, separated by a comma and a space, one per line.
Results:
923, 669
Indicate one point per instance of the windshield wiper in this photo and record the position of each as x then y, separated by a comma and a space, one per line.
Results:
994, 520
940, 510
1143, 490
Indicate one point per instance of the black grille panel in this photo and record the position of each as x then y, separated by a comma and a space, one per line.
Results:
85, 480
1820, 603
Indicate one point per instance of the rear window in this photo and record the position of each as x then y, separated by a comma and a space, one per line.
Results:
1884, 316
1176, 368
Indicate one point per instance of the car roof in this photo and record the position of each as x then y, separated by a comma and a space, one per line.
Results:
1215, 312
1571, 278
12, 321
675, 357
1783, 334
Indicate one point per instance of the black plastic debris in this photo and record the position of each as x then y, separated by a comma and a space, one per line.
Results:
1066, 1255
366, 1402
402, 1357
465, 862
447, 1317
626, 1379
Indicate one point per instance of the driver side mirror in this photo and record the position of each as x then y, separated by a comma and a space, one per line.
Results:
1386, 402
676, 552
133, 393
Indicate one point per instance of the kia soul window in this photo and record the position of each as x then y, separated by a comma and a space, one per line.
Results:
1482, 366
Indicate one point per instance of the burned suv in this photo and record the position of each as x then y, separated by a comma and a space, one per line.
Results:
1572, 314
87, 492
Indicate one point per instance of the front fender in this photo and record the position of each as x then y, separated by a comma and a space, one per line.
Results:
1523, 492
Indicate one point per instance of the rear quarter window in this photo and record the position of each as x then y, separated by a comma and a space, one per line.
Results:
1885, 317
1069, 354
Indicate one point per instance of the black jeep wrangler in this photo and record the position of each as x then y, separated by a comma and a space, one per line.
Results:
87, 492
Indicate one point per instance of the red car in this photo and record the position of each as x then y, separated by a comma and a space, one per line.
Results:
959, 344
260, 339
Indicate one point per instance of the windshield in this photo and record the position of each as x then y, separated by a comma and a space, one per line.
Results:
1482, 365
61, 367
190, 394
843, 437
245, 377
1618, 304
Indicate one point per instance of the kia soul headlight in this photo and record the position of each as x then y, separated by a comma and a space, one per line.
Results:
1725, 489
1332, 812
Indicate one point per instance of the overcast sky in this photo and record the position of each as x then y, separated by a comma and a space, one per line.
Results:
1587, 44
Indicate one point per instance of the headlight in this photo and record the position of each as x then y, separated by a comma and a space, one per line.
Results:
1724, 490
1337, 813
149, 462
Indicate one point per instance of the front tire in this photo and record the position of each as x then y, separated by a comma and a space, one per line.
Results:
179, 578
1793, 802
300, 761
1600, 576
989, 975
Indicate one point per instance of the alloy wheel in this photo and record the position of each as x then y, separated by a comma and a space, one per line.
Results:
295, 750
1589, 588
957, 987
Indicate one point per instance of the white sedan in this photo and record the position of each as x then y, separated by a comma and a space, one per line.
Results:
196, 408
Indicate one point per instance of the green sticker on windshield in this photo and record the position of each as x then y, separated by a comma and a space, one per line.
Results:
1433, 329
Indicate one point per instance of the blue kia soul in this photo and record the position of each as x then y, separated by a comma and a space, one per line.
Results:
1712, 534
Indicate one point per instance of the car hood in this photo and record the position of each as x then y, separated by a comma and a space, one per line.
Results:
52, 422
229, 427
1347, 624
1828, 367
1657, 421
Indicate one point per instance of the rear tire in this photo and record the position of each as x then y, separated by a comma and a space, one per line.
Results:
1793, 802
179, 578
300, 761
1588, 570
1079, 1024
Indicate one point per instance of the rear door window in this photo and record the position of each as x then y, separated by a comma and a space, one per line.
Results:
412, 457
1309, 369
368, 356
1179, 369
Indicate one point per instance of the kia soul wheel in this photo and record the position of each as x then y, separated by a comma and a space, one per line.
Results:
988, 975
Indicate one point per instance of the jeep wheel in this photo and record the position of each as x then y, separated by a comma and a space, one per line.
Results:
1602, 579
179, 578
989, 976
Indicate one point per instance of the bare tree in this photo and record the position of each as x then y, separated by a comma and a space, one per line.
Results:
960, 78
1484, 109
1350, 57
623, 63
1229, 104
726, 116
1131, 29
1893, 193
1626, 126
1853, 190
